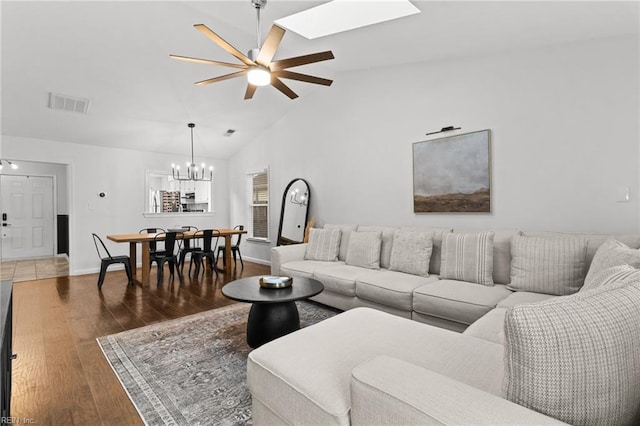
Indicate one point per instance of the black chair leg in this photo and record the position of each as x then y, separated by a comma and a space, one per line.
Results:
103, 271
179, 273
240, 256
196, 271
127, 268
160, 272
214, 266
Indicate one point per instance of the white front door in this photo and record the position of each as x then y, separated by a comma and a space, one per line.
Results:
27, 216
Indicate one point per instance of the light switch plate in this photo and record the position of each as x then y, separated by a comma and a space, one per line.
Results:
622, 194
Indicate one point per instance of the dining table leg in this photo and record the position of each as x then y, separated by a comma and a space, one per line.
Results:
146, 264
133, 258
227, 253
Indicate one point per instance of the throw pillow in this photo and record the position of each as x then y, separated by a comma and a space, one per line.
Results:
468, 257
323, 245
622, 273
364, 249
612, 253
554, 265
411, 252
576, 358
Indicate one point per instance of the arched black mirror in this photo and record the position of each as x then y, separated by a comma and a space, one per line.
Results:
294, 212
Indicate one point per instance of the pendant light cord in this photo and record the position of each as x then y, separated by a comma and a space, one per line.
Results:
192, 160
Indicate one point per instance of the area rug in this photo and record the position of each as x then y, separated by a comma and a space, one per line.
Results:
191, 370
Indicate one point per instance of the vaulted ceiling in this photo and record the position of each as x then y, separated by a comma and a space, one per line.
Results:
116, 54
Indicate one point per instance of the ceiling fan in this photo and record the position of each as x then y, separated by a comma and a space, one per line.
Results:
258, 65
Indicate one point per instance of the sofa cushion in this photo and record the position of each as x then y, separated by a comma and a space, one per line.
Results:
300, 378
305, 268
364, 249
339, 278
390, 288
468, 257
411, 252
611, 253
523, 298
490, 327
323, 244
548, 265
346, 231
436, 250
387, 242
458, 301
577, 358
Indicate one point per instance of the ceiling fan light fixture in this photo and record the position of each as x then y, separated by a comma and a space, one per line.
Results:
259, 76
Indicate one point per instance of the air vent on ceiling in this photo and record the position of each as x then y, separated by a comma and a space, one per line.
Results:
67, 103
229, 132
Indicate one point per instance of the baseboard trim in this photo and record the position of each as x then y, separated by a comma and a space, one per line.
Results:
118, 267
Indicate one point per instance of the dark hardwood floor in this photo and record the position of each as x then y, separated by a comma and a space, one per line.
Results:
61, 376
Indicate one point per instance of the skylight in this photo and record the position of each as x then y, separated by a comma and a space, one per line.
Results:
343, 15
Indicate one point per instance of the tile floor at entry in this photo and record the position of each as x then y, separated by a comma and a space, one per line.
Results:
34, 269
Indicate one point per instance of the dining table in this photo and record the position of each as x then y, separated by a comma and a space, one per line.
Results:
145, 241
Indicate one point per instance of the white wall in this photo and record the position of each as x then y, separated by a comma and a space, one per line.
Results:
565, 135
120, 174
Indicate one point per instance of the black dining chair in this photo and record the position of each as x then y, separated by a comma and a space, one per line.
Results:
210, 239
235, 247
108, 259
188, 246
172, 244
153, 246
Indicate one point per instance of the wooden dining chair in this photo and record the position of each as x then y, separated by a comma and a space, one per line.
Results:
107, 259
172, 245
210, 239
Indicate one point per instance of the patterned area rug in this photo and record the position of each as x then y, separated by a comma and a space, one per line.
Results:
191, 370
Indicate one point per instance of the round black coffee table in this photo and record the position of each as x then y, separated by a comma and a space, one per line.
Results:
274, 312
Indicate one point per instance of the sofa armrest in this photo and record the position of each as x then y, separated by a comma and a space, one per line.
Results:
283, 254
386, 390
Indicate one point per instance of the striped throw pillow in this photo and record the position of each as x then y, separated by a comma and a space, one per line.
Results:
576, 358
554, 265
612, 253
468, 257
364, 249
615, 274
324, 244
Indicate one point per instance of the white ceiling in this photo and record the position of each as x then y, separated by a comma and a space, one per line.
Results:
116, 54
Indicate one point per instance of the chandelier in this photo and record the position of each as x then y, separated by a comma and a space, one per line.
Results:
193, 171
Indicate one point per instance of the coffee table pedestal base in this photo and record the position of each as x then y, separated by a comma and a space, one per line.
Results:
268, 321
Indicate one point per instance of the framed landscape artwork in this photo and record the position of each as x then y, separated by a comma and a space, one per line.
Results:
453, 174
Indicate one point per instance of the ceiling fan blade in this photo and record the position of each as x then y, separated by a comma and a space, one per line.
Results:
222, 43
270, 45
251, 89
222, 77
207, 61
278, 84
302, 77
301, 60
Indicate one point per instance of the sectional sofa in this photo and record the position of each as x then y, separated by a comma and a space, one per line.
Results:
445, 326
